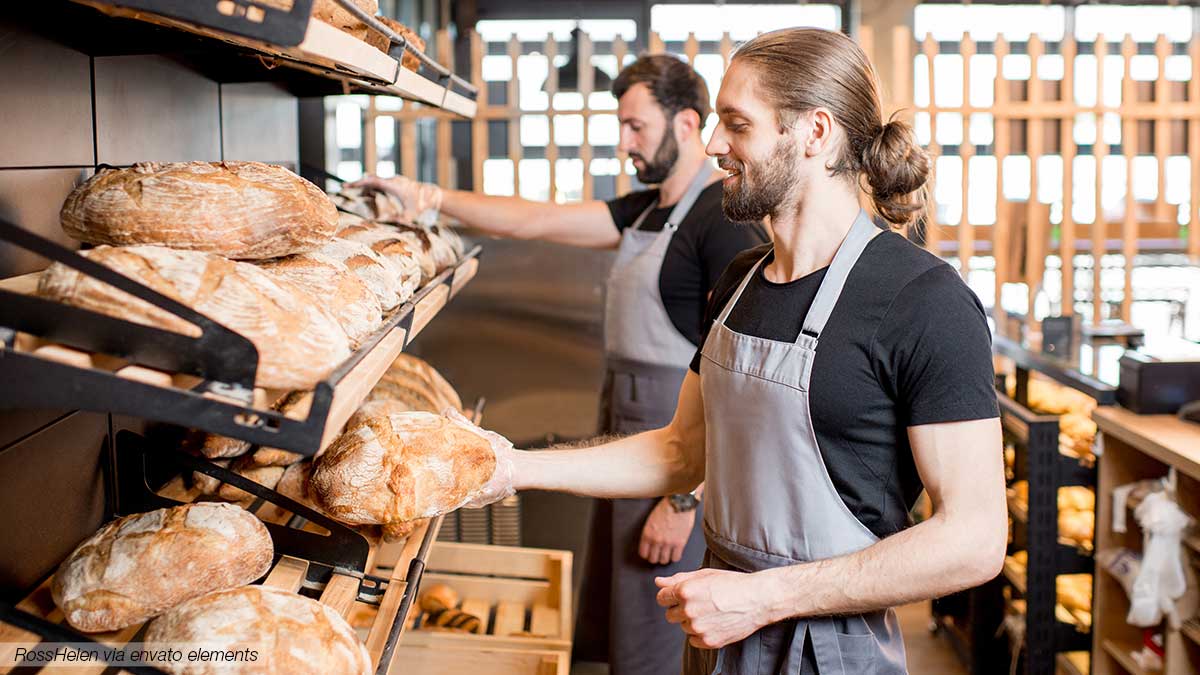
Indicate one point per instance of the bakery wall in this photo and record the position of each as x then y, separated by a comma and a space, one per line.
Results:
63, 112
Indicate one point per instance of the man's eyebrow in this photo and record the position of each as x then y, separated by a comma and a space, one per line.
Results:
726, 109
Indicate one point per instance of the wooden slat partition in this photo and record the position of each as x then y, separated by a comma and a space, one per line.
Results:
1030, 120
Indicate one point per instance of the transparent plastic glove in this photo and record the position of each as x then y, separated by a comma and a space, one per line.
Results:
500, 485
422, 202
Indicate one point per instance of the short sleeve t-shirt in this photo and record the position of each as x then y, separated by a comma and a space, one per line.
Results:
907, 344
699, 250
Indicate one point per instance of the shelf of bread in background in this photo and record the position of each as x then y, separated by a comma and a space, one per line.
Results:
327, 298
1076, 513
337, 45
1076, 430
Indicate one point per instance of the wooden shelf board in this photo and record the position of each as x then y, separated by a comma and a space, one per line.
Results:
1122, 652
1164, 437
1191, 630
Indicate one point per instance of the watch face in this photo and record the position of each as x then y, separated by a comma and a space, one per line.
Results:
685, 502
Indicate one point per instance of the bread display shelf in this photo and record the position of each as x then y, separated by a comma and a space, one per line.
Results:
68, 367
1123, 653
1068, 548
1067, 665
372, 592
1068, 631
323, 50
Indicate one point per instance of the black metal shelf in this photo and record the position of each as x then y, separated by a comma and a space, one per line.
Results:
1054, 368
318, 59
220, 397
138, 464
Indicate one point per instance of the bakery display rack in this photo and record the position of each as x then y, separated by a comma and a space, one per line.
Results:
60, 357
251, 40
372, 584
1050, 630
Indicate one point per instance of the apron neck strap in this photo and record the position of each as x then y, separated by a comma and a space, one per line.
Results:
861, 233
685, 203
741, 287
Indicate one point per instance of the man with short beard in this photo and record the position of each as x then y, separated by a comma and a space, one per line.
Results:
843, 370
672, 244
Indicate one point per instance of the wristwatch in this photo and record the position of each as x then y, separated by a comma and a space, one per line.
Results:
683, 503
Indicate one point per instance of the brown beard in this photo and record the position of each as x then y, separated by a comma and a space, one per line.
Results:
656, 170
761, 188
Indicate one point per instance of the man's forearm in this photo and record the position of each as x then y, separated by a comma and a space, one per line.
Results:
586, 224
649, 464
932, 559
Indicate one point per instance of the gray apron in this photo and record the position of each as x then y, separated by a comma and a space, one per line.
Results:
646, 360
769, 499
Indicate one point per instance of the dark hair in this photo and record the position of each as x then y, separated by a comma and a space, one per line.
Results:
800, 69
675, 85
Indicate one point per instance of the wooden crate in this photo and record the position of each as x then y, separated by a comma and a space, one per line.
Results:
444, 660
522, 596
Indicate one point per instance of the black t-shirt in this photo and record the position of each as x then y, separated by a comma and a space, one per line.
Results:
699, 251
907, 344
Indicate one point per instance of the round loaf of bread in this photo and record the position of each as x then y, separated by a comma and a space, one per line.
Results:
288, 632
298, 342
403, 466
243, 210
138, 566
335, 288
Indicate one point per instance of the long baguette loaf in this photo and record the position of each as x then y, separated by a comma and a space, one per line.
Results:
244, 210
138, 566
335, 288
298, 342
287, 632
403, 466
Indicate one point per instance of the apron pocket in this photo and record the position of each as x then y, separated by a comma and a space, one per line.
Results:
859, 653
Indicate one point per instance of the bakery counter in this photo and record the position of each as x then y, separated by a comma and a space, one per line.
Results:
72, 366
1135, 448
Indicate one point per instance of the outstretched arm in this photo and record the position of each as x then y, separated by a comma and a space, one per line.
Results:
586, 224
960, 546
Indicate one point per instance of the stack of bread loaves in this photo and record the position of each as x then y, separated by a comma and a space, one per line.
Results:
189, 566
250, 245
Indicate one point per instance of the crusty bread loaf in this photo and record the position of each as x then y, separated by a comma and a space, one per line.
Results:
244, 210
335, 15
288, 632
141, 565
403, 466
298, 342
407, 367
206, 484
335, 288
392, 243
392, 281
244, 466
378, 41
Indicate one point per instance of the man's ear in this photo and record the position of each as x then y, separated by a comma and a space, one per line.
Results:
818, 131
686, 122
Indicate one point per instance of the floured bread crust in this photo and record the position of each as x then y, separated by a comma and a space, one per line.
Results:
331, 285
138, 566
393, 281
243, 210
401, 466
291, 634
298, 342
